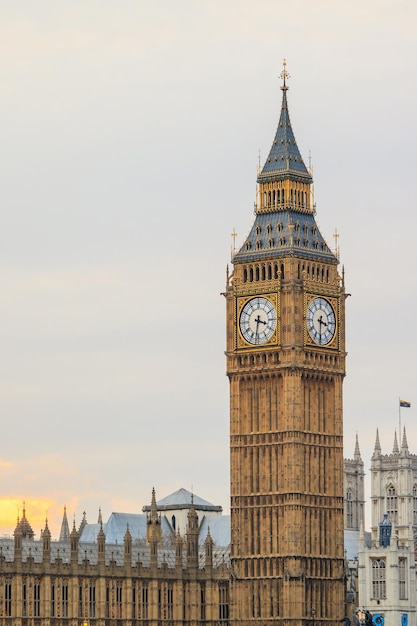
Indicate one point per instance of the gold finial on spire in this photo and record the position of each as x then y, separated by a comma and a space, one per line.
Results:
284, 75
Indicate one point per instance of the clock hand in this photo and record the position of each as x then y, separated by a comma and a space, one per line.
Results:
259, 321
321, 322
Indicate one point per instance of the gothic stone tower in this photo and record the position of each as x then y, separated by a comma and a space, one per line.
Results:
286, 364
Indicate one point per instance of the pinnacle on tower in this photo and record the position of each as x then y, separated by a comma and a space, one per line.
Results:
377, 447
357, 454
64, 535
404, 444
395, 448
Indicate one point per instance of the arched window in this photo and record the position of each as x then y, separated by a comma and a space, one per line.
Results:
173, 522
392, 506
402, 578
378, 579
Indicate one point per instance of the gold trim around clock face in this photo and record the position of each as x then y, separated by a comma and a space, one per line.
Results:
321, 321
257, 320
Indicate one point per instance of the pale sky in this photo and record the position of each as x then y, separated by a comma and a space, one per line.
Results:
129, 139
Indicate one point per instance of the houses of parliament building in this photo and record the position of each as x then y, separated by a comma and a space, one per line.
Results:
293, 548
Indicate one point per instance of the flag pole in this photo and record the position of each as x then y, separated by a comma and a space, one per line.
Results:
399, 422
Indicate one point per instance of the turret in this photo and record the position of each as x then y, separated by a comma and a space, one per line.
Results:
46, 544
101, 545
178, 550
74, 545
153, 521
208, 546
127, 547
18, 541
192, 536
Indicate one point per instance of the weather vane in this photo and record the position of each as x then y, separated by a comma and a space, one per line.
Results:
284, 75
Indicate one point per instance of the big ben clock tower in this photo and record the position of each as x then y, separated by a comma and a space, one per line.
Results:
286, 364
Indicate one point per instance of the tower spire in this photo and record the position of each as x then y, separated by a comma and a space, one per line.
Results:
357, 453
284, 160
377, 447
65, 533
395, 448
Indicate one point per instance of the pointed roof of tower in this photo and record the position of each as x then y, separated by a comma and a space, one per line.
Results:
74, 530
284, 157
154, 508
285, 227
404, 444
128, 536
377, 447
357, 454
395, 448
64, 535
46, 531
24, 527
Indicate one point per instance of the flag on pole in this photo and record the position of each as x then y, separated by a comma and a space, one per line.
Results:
405, 404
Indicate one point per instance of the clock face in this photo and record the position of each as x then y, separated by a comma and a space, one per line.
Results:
258, 320
321, 321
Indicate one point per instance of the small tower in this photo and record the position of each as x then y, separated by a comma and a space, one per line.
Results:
153, 521
127, 547
46, 544
192, 537
208, 547
18, 536
354, 490
74, 537
178, 550
101, 545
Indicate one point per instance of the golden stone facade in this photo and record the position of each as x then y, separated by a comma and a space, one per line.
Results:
286, 365
162, 580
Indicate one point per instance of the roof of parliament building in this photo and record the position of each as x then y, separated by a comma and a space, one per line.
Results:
210, 524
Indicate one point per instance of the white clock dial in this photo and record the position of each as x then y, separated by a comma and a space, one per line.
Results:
321, 321
258, 320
